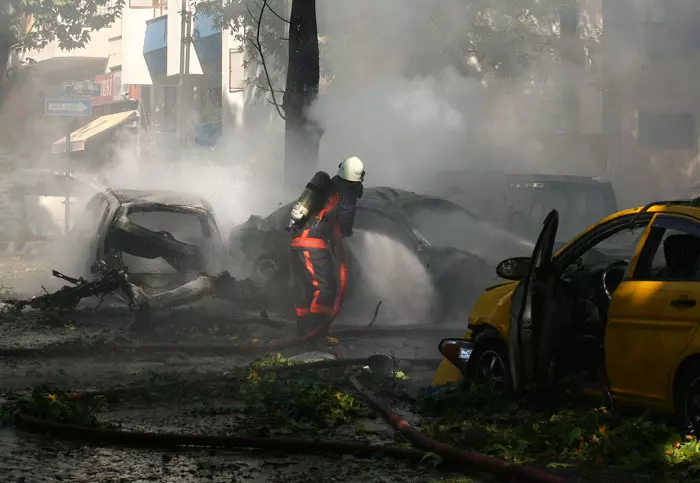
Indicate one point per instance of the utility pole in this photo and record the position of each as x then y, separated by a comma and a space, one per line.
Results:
183, 84
571, 57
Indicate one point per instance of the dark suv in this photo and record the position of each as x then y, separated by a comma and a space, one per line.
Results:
519, 202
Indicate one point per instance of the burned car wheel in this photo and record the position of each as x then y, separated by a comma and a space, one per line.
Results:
687, 398
488, 363
272, 273
266, 269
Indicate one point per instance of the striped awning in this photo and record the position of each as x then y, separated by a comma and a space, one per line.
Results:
79, 139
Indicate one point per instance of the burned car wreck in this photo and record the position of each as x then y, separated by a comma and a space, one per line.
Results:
165, 238
399, 233
150, 249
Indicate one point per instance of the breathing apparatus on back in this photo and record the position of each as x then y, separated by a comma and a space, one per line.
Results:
312, 199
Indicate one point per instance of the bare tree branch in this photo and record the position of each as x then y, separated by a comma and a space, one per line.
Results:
258, 47
262, 88
277, 15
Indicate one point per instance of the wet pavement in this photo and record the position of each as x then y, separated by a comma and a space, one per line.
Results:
31, 458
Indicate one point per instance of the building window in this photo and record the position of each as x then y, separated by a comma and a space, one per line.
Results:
666, 131
670, 39
103, 9
141, 3
670, 28
159, 6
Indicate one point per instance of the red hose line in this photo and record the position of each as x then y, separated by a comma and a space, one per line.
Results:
473, 460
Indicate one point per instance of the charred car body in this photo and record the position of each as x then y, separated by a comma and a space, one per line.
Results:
453, 250
152, 249
169, 236
165, 238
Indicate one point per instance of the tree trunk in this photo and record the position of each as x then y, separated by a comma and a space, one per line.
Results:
302, 135
5, 51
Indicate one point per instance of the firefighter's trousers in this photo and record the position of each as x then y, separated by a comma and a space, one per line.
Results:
315, 288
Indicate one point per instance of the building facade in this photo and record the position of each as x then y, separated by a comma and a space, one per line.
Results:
651, 103
212, 93
137, 63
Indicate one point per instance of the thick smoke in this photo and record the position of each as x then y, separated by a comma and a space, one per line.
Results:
400, 98
410, 110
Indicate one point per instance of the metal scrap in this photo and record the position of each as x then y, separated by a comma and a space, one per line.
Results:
116, 281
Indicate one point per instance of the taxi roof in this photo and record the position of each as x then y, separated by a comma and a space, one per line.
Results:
690, 206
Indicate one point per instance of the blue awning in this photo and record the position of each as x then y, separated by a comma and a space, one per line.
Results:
155, 45
207, 42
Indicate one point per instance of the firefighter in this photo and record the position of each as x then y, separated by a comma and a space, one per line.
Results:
322, 216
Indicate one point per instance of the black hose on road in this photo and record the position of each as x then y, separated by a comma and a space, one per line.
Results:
69, 350
172, 440
463, 460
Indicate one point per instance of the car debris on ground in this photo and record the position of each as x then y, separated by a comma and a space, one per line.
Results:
116, 282
151, 250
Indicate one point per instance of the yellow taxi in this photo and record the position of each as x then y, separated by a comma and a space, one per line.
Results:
615, 309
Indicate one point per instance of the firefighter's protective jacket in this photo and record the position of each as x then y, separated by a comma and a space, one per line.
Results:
337, 217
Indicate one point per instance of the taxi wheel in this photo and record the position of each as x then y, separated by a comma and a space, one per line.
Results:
687, 399
489, 363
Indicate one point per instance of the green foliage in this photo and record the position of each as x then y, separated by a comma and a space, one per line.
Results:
70, 22
241, 19
501, 427
58, 406
297, 399
499, 38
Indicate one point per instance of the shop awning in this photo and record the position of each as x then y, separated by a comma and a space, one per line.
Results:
155, 45
207, 43
79, 139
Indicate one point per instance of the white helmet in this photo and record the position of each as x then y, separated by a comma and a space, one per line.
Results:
352, 169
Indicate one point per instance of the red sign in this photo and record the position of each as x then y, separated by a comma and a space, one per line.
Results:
112, 90
106, 82
135, 92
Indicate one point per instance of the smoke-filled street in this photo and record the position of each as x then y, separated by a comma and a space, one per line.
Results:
311, 240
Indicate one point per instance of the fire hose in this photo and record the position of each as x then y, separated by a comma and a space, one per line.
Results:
459, 459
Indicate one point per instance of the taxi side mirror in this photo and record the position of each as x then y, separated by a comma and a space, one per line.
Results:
514, 268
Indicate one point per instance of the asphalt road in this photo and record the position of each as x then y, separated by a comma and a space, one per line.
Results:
31, 458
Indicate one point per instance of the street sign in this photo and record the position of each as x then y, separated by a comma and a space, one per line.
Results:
68, 107
84, 88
